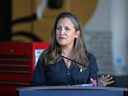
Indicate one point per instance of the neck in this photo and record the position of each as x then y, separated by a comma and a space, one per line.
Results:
66, 51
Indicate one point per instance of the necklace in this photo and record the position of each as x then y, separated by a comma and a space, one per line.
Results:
67, 63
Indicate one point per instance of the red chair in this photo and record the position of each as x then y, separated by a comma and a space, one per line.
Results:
17, 62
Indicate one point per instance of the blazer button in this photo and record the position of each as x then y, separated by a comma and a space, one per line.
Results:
68, 73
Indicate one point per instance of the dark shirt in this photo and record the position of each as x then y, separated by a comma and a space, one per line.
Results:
59, 74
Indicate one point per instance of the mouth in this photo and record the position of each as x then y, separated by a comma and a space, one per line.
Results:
61, 37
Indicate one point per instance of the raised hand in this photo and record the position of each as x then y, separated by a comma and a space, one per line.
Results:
105, 80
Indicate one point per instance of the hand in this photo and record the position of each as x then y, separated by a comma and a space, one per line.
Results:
105, 80
93, 81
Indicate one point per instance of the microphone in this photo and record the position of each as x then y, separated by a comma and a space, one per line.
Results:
80, 64
72, 60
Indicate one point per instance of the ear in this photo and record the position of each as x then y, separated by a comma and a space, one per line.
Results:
77, 34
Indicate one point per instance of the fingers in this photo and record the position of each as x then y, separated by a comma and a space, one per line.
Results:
93, 81
105, 76
110, 82
109, 79
105, 80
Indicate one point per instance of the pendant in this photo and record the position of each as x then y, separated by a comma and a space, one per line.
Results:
81, 69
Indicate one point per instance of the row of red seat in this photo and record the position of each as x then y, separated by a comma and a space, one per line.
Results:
17, 62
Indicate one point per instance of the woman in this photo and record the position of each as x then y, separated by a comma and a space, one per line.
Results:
66, 61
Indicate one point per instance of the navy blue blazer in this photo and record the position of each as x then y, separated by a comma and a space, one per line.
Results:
59, 74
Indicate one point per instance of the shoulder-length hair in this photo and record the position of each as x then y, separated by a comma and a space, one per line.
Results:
79, 52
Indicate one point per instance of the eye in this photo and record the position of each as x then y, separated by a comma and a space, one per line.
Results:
59, 28
67, 28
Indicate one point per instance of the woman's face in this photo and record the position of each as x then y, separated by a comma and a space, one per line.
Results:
66, 32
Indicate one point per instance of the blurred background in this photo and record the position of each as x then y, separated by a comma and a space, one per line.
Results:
104, 24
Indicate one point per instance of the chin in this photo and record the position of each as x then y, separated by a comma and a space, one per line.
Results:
62, 43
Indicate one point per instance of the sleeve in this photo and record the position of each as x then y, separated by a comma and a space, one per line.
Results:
39, 75
93, 67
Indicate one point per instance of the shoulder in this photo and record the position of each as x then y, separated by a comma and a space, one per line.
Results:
92, 60
42, 56
44, 53
47, 57
92, 63
91, 56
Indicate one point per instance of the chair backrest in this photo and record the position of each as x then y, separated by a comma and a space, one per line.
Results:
17, 61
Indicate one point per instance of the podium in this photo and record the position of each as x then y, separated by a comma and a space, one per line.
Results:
72, 91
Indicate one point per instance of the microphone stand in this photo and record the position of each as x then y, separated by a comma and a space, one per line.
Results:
72, 60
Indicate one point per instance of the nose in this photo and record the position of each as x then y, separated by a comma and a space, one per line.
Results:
62, 31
